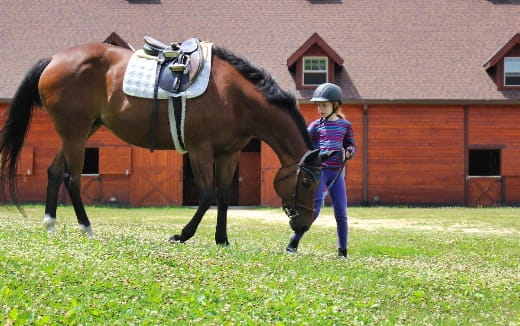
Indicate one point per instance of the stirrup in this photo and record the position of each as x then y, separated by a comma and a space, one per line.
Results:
176, 67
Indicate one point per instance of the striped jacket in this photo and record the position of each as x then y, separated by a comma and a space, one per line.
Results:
332, 136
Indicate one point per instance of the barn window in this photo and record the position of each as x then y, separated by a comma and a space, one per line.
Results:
512, 71
91, 164
484, 162
315, 70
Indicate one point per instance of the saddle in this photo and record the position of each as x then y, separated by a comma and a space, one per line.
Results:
178, 64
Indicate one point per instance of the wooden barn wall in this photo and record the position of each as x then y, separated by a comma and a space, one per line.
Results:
416, 154
497, 128
128, 175
270, 165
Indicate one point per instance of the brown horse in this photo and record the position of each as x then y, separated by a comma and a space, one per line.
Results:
81, 89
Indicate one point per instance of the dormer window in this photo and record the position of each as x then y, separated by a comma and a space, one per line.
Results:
314, 63
512, 71
504, 65
315, 70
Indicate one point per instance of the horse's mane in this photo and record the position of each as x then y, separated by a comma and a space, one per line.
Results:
266, 84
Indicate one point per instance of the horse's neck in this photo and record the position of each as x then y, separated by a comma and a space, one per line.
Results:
280, 132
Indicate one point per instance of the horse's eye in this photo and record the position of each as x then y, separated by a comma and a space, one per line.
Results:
306, 183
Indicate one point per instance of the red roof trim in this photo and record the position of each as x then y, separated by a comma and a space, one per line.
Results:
499, 55
315, 39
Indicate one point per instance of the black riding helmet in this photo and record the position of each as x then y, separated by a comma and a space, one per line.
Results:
327, 92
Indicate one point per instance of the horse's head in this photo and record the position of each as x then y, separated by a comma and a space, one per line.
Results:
296, 184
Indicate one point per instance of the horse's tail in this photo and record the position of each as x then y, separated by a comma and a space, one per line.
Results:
13, 133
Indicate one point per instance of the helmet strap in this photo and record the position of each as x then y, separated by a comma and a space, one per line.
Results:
330, 115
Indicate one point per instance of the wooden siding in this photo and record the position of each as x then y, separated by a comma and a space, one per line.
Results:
270, 165
416, 154
496, 127
511, 190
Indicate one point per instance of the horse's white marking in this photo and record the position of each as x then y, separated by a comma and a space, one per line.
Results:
86, 230
50, 223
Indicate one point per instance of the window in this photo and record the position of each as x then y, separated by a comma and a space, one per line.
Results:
511, 71
91, 164
315, 70
484, 162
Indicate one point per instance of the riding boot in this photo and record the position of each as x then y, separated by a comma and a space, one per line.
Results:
342, 252
292, 247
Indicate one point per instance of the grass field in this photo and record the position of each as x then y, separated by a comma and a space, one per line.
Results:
406, 266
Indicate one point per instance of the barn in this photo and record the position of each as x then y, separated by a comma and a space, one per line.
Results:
432, 89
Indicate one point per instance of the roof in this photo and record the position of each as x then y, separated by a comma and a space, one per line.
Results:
393, 50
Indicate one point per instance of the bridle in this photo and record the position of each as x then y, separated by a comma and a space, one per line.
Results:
291, 210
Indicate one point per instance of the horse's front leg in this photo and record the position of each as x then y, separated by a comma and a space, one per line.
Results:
202, 167
225, 167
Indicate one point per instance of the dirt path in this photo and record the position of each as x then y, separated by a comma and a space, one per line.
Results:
372, 224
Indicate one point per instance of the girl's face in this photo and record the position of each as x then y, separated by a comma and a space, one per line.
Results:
324, 108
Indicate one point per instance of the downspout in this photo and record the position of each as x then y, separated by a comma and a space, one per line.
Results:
365, 155
466, 154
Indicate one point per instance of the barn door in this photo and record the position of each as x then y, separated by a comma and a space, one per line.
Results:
249, 179
484, 180
484, 191
102, 163
270, 166
156, 178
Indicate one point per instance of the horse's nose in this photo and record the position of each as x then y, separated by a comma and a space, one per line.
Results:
297, 227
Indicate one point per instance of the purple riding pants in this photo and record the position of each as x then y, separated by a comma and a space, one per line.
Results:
338, 195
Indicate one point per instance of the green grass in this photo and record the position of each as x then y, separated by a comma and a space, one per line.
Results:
407, 266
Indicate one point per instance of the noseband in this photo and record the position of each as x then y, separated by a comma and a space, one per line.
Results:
315, 172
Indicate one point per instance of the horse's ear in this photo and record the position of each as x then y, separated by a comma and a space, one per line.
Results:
313, 157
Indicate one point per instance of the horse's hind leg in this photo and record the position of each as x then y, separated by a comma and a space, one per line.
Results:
54, 179
74, 152
225, 166
66, 168
202, 168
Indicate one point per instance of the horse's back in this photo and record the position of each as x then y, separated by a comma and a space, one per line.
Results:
81, 76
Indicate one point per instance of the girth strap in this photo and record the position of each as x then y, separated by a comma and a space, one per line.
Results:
176, 114
155, 103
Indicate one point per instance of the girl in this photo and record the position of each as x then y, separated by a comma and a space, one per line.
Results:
334, 136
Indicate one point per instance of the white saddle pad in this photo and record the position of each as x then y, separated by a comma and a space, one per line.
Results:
139, 77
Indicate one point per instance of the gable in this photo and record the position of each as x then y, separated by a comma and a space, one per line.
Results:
315, 41
512, 45
313, 63
497, 64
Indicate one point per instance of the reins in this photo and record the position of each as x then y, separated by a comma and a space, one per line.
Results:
291, 211
335, 179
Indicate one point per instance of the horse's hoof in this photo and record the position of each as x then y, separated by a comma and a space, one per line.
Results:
49, 223
176, 238
86, 230
223, 243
